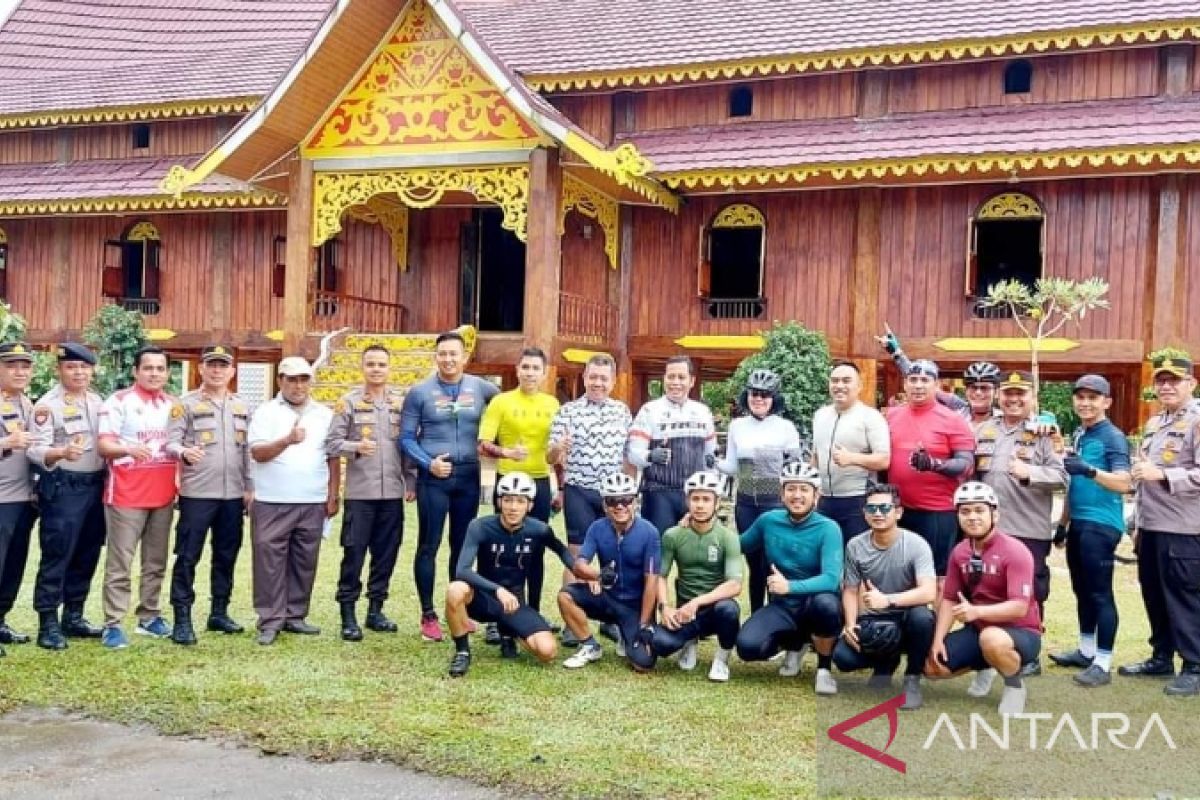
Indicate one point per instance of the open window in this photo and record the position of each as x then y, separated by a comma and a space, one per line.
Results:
1018, 77
131, 269
1006, 240
3, 265
492, 274
741, 102
325, 278
732, 251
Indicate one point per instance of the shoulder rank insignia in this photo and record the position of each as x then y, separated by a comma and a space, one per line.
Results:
176, 411
339, 407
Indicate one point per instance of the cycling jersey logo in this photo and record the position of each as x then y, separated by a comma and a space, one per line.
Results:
890, 708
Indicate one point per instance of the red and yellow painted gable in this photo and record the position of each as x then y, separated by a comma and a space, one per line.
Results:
420, 92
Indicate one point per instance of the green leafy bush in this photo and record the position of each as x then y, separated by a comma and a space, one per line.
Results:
116, 335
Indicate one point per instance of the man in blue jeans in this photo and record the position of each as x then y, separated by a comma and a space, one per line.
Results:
439, 432
1099, 470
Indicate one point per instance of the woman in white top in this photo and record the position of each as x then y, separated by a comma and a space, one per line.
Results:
757, 445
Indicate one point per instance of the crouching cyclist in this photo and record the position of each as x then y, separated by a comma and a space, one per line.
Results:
502, 547
708, 560
890, 582
804, 556
625, 587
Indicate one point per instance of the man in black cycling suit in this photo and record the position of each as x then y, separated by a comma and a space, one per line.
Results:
493, 590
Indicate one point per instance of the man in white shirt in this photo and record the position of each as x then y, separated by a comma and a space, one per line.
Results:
295, 491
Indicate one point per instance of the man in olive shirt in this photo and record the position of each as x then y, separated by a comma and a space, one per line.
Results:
708, 558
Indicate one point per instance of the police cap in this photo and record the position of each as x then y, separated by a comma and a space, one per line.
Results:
15, 351
72, 351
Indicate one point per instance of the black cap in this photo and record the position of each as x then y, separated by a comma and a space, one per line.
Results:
71, 351
923, 366
16, 351
1179, 367
1093, 383
217, 352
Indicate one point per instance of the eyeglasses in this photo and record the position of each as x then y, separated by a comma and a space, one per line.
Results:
761, 394
879, 508
618, 502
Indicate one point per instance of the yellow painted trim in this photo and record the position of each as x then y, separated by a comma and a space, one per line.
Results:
626, 166
275, 335
160, 334
131, 113
109, 205
720, 342
936, 166
423, 149
971, 344
1035, 43
585, 199
577, 356
3, 236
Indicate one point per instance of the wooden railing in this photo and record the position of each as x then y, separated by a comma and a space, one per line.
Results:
981, 311
733, 308
329, 311
585, 319
148, 306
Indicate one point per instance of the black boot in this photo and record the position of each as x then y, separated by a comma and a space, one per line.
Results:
219, 619
50, 635
350, 630
183, 632
9, 636
76, 626
377, 620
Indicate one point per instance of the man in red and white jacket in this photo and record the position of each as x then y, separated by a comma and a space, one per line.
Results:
140, 495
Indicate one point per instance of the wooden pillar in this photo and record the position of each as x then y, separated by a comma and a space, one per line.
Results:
620, 292
543, 255
219, 267
864, 280
299, 255
60, 278
869, 369
1168, 284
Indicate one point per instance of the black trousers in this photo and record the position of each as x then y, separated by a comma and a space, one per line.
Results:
745, 512
1171, 592
16, 525
916, 625
663, 508
375, 527
847, 512
1040, 550
456, 498
788, 623
70, 536
197, 516
535, 575
721, 618
1090, 549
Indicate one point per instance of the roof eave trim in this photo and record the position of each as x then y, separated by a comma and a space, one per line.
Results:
129, 113
189, 201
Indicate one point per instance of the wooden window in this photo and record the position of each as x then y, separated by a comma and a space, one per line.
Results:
141, 136
3, 265
132, 268
741, 101
1005, 241
1018, 77
279, 266
325, 279
730, 276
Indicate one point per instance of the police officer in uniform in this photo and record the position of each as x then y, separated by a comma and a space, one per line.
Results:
1166, 476
16, 508
70, 493
207, 433
364, 432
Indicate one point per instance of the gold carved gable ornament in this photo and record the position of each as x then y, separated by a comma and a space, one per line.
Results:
1010, 205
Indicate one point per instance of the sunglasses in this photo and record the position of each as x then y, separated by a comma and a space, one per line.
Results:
760, 394
879, 508
618, 502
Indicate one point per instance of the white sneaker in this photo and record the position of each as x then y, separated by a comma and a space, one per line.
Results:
620, 644
791, 664
825, 684
719, 671
981, 684
1012, 699
687, 656
585, 655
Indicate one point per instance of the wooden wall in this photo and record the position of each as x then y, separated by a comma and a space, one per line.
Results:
430, 288
167, 138
1189, 325
585, 270
592, 112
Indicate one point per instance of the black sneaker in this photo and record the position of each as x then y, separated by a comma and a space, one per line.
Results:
9, 636
1152, 667
1093, 676
492, 634
460, 664
568, 638
1072, 659
1186, 685
1032, 668
508, 648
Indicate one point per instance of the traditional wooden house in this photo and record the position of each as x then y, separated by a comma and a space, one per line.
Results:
639, 177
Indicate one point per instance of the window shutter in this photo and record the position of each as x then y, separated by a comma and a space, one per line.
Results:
972, 264
112, 283
150, 278
704, 271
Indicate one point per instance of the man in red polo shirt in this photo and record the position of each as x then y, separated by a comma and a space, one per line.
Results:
140, 496
933, 449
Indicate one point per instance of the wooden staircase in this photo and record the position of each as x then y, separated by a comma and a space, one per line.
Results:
412, 360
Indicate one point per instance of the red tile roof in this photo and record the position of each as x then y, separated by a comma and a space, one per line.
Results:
68, 54
84, 180
1000, 130
564, 36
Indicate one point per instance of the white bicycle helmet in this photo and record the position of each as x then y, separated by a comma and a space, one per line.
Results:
517, 483
706, 481
799, 472
975, 492
618, 485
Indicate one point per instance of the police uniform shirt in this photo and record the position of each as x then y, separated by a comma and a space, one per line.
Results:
1026, 505
60, 419
356, 417
220, 429
15, 485
1171, 442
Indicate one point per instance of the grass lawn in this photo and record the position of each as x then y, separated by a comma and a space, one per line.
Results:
597, 732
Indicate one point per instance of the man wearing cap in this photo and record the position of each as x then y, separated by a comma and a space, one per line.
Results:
366, 425
139, 498
295, 491
207, 433
1166, 475
1099, 470
932, 451
16, 509
70, 489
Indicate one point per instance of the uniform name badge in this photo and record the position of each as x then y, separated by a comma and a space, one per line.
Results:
13, 425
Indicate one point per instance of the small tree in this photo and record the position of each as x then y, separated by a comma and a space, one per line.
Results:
116, 335
801, 359
1042, 311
